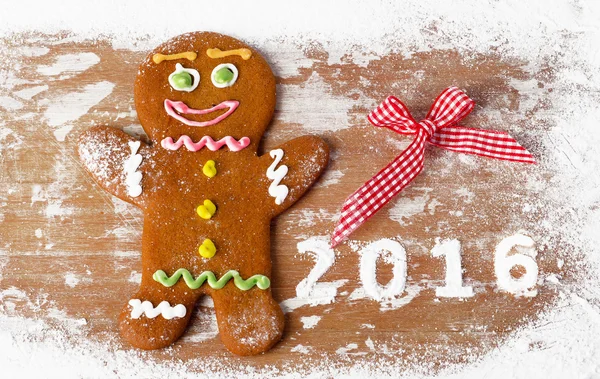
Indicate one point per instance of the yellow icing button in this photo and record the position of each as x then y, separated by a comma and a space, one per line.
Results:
207, 249
206, 210
209, 169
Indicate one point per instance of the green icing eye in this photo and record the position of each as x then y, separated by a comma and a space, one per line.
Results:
223, 75
182, 79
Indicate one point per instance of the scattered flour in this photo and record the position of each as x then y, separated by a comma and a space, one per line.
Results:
330, 177
411, 291
345, 350
300, 349
71, 279
71, 106
135, 277
70, 64
404, 208
310, 322
328, 114
10, 104
29, 92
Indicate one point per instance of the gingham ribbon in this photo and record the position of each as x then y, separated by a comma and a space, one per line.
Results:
438, 128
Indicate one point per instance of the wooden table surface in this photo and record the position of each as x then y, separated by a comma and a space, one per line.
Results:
70, 246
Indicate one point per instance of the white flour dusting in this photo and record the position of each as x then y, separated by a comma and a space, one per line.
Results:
329, 178
135, 277
73, 105
347, 348
300, 349
310, 322
410, 292
28, 93
563, 34
10, 104
71, 280
69, 64
404, 208
329, 114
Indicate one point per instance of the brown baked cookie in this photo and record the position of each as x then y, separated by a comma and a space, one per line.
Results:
205, 100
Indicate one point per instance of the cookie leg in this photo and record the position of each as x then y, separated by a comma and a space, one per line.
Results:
250, 322
148, 322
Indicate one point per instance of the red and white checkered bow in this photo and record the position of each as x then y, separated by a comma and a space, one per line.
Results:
438, 128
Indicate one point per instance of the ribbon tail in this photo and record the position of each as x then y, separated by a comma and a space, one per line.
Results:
380, 189
486, 143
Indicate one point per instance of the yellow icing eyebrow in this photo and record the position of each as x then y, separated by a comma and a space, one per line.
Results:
217, 53
189, 55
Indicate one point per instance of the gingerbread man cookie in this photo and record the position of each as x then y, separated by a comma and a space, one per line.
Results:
204, 100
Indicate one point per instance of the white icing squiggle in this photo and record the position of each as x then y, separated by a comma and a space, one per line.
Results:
276, 190
133, 178
164, 308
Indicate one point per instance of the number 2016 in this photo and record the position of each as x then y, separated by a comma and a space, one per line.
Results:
449, 249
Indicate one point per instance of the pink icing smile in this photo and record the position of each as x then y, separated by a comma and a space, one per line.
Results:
176, 109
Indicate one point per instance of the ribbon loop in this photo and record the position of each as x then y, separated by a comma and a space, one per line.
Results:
450, 107
439, 128
394, 115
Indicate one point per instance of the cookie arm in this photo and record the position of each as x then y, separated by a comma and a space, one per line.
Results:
107, 155
305, 158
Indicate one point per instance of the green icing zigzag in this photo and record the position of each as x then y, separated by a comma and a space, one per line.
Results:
260, 281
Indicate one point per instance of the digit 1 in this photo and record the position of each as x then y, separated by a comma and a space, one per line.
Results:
450, 249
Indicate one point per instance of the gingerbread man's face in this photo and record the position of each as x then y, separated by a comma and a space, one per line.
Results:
205, 85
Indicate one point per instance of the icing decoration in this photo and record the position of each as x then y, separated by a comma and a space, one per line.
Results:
189, 55
218, 53
175, 109
207, 141
164, 308
440, 128
133, 177
209, 169
258, 280
184, 79
206, 210
207, 249
224, 75
276, 190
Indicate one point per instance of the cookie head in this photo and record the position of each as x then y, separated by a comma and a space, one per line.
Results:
205, 84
